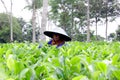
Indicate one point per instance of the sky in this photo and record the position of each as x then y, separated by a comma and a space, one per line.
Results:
19, 11
112, 27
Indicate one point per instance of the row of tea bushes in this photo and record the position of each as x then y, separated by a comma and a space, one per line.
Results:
76, 61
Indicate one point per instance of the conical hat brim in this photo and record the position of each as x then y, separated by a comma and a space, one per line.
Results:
50, 34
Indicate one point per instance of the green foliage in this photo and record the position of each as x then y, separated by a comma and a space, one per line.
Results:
115, 36
65, 12
26, 30
118, 33
5, 29
37, 3
77, 61
100, 8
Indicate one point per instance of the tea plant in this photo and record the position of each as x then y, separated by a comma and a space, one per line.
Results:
76, 61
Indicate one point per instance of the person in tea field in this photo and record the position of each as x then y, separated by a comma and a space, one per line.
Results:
58, 37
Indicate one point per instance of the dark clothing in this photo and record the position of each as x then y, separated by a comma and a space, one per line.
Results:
50, 43
58, 46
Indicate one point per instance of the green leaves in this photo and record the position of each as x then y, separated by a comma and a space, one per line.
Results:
5, 28
115, 59
78, 61
11, 62
102, 67
117, 74
75, 60
81, 77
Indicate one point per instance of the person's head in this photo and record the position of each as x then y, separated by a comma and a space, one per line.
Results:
57, 34
56, 37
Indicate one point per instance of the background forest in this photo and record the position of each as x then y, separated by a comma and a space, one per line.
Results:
75, 16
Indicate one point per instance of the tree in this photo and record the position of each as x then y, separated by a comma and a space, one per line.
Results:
104, 9
109, 9
64, 12
44, 19
5, 29
34, 5
34, 20
88, 21
11, 23
95, 12
9, 18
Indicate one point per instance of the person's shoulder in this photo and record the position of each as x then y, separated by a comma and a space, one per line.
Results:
42, 44
49, 42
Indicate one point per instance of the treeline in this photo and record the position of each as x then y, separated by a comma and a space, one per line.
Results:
70, 15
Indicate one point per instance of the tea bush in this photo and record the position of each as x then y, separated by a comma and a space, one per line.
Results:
76, 61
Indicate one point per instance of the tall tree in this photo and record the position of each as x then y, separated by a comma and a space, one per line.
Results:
34, 20
88, 21
44, 19
106, 17
65, 12
110, 8
11, 27
9, 18
95, 10
104, 9
34, 5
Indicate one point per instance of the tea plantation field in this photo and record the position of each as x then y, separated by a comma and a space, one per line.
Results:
76, 61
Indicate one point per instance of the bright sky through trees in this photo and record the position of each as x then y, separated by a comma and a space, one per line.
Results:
19, 11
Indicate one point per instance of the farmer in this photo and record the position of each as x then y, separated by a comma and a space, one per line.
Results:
58, 37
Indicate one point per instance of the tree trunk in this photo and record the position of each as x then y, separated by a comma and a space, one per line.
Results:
96, 28
72, 31
9, 19
106, 20
88, 23
106, 28
44, 20
11, 27
34, 23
